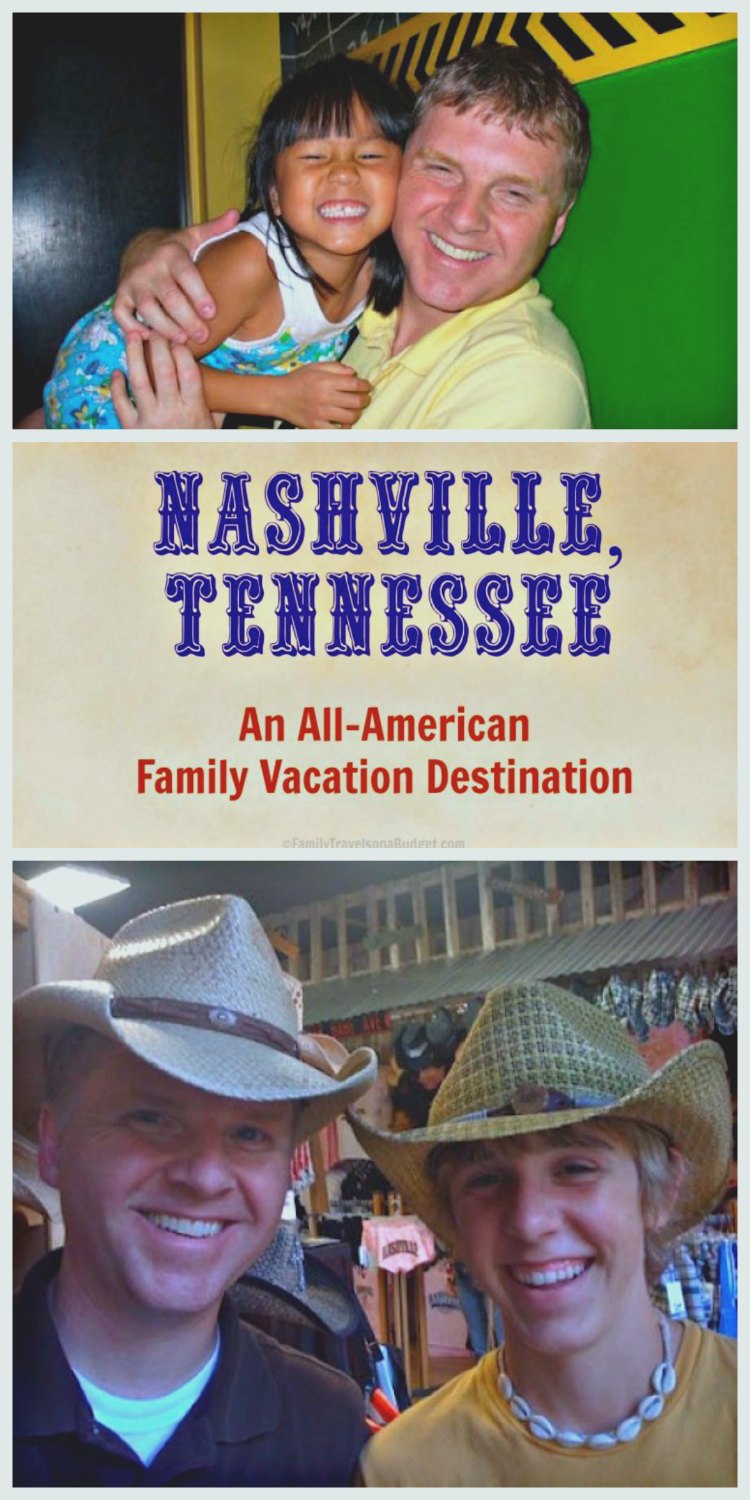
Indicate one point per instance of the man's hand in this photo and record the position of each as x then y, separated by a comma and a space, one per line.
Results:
160, 282
171, 396
320, 395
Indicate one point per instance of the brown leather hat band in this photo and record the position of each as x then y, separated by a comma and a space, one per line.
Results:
205, 1018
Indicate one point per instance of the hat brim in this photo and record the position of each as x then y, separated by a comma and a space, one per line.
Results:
687, 1099
321, 1304
218, 1063
28, 1187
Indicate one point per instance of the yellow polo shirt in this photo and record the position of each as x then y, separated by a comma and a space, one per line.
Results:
509, 363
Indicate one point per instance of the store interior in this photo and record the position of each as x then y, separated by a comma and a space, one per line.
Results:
399, 957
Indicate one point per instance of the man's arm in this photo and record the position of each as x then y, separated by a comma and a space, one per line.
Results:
240, 283
161, 283
171, 395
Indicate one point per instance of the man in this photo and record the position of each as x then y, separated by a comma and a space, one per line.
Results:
167, 1095
560, 1170
497, 157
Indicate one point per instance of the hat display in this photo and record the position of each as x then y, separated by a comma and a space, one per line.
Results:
285, 1283
28, 1187
411, 1046
196, 990
471, 1011
539, 1057
442, 1034
427, 1044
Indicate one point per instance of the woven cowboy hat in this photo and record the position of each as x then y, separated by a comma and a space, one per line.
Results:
538, 1058
285, 1283
196, 990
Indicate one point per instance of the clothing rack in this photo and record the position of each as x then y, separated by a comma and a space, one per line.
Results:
705, 1266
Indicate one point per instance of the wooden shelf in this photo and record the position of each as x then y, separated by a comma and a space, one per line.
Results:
22, 899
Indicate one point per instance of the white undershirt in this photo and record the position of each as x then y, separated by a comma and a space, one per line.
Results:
146, 1425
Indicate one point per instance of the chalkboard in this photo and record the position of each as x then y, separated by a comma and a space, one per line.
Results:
309, 35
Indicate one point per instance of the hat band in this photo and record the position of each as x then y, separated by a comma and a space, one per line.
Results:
205, 1018
535, 1099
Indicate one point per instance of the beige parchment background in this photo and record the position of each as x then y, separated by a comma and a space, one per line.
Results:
98, 683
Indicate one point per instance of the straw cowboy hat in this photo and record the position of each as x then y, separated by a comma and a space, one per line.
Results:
539, 1057
285, 1283
196, 990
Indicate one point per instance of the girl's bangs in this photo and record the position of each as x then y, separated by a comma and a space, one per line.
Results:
316, 118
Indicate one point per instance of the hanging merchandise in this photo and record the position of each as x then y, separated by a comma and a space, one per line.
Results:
329, 1140
685, 1005
302, 1173
732, 995
411, 1046
468, 1015
703, 999
659, 998
703, 1276
724, 1001
293, 1294
362, 1181
636, 1020
727, 1321
442, 1034
697, 1293
650, 1010
616, 998
605, 998
669, 1295
699, 1001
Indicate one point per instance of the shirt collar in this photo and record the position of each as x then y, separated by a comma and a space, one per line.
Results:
378, 330
42, 1406
241, 1399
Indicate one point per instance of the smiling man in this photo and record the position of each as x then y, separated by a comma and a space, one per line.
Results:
168, 1094
497, 155
496, 159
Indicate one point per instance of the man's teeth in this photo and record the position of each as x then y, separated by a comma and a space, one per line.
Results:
195, 1229
454, 251
343, 210
567, 1272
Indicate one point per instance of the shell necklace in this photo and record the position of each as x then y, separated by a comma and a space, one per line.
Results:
663, 1382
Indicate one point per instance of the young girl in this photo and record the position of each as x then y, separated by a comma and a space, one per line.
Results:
291, 280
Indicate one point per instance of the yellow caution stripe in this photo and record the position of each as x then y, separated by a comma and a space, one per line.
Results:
583, 46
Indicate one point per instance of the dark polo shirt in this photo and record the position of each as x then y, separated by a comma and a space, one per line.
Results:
268, 1416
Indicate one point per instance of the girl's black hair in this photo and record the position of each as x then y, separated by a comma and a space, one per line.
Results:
320, 102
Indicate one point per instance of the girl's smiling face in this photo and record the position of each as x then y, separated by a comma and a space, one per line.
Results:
337, 193
555, 1235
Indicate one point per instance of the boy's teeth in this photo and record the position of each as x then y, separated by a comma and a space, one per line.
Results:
195, 1229
454, 251
567, 1272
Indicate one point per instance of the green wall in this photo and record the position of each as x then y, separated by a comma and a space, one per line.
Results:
645, 276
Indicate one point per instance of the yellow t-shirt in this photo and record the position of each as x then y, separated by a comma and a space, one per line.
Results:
507, 364
465, 1435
